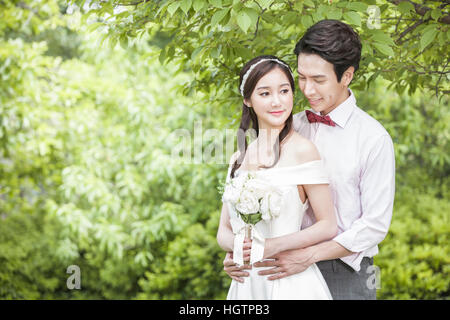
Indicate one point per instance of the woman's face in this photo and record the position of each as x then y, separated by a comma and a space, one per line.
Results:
272, 99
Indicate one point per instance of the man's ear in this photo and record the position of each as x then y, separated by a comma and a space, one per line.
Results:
347, 76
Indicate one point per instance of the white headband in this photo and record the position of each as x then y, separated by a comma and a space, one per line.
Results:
244, 78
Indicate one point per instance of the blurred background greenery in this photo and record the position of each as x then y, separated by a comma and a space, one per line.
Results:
87, 175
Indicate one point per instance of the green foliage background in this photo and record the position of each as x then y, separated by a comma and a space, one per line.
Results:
87, 175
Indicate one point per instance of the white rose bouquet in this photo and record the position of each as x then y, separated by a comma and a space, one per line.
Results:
253, 198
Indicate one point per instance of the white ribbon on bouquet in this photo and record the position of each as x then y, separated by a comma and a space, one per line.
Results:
258, 242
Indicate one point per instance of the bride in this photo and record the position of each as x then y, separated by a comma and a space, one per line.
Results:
290, 164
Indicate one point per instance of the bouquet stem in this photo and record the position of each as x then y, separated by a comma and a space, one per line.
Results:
248, 235
248, 231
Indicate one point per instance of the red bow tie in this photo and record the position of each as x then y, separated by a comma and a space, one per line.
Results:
312, 117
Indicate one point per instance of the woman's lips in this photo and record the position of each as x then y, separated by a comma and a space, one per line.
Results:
277, 113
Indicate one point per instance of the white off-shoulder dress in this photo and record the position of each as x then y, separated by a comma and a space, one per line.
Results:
307, 285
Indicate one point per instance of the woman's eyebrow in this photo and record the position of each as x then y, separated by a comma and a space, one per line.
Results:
267, 87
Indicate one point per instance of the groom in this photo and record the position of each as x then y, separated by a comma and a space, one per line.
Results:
358, 155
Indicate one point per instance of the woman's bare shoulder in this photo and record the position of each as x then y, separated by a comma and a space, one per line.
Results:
301, 149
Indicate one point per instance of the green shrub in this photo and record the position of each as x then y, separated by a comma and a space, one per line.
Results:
414, 258
191, 269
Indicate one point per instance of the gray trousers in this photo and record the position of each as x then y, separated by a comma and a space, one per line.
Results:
347, 284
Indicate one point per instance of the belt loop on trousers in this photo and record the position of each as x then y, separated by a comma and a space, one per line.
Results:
334, 265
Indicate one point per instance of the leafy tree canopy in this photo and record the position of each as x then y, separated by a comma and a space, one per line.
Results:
405, 42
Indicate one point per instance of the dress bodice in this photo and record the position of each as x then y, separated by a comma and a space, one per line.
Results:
285, 179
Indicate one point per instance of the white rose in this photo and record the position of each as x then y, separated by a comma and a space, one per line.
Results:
271, 204
231, 194
233, 189
239, 181
248, 203
258, 186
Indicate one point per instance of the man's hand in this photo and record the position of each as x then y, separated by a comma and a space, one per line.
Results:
286, 263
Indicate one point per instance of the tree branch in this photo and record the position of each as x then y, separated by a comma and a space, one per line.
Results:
257, 24
409, 29
422, 10
440, 77
130, 3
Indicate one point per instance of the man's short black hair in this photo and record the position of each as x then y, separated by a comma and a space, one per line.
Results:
334, 41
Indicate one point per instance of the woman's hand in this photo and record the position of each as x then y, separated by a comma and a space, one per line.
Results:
235, 272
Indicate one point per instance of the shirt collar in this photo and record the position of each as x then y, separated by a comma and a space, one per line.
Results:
342, 112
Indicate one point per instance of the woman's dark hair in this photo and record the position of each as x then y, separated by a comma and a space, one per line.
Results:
334, 41
248, 114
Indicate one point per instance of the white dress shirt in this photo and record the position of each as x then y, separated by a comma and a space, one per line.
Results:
358, 155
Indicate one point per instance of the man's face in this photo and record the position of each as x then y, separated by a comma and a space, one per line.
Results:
318, 82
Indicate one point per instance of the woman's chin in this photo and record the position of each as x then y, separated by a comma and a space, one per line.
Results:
277, 123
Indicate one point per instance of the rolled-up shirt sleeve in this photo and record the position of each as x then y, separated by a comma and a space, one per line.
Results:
377, 189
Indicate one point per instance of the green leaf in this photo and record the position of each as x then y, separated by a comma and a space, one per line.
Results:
322, 9
384, 7
335, 14
380, 36
253, 14
352, 18
405, 7
94, 26
236, 9
306, 21
251, 218
436, 13
218, 16
298, 6
162, 56
198, 5
171, 53
357, 6
309, 3
427, 38
384, 48
173, 7
317, 16
113, 42
442, 38
265, 3
366, 50
244, 21
432, 26
196, 52
215, 52
186, 5
124, 41
216, 3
